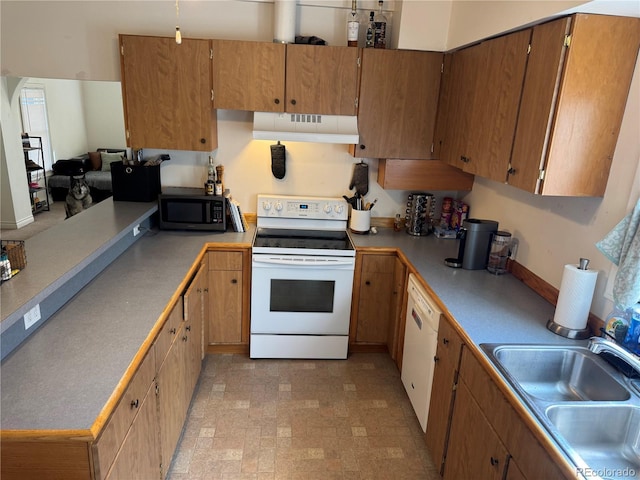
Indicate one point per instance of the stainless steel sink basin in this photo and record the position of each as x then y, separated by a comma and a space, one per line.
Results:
557, 373
606, 438
591, 410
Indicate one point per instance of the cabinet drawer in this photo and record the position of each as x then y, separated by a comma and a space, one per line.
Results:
225, 260
115, 430
533, 461
168, 333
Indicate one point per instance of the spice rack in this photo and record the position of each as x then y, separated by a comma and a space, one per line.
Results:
35, 167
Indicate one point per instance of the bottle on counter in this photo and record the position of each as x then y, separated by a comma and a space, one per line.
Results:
353, 25
211, 171
220, 172
617, 323
380, 33
371, 28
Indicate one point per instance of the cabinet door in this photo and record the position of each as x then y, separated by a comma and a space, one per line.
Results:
455, 114
445, 377
225, 306
193, 308
173, 400
166, 90
496, 98
139, 457
573, 139
321, 79
475, 451
249, 75
395, 341
398, 103
375, 299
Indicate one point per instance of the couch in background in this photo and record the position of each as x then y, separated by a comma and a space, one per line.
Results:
95, 166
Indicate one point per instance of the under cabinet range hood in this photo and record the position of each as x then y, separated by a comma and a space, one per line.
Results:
299, 127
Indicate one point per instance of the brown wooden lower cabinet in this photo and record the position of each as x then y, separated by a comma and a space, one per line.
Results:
475, 449
378, 291
487, 437
229, 290
445, 377
140, 436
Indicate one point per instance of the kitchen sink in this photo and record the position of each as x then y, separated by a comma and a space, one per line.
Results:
554, 373
590, 409
606, 438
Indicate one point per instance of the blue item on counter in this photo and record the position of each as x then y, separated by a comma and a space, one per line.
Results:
632, 340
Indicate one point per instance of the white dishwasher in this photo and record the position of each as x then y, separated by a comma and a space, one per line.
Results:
420, 342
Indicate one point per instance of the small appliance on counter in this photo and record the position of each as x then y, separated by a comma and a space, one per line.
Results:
183, 208
475, 242
420, 211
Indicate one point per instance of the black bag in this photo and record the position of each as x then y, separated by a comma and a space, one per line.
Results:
135, 183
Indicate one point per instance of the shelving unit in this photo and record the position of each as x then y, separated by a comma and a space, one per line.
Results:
34, 167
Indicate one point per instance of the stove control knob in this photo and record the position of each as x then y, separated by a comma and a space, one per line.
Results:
278, 206
339, 208
266, 205
327, 208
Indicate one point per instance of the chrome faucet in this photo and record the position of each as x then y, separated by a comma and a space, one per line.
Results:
598, 345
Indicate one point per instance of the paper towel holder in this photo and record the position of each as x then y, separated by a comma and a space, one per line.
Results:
570, 333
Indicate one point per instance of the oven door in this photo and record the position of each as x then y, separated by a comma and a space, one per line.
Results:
298, 294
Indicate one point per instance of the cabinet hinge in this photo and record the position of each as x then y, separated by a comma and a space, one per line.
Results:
355, 102
212, 94
528, 49
122, 50
432, 147
455, 387
541, 175
442, 67
567, 40
157, 389
358, 62
128, 135
211, 53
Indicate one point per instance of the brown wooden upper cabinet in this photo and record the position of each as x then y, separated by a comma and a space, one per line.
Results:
268, 77
575, 91
166, 90
398, 103
479, 104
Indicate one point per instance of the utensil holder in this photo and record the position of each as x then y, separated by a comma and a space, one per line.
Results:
360, 221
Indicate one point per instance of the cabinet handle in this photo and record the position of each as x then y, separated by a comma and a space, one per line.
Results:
367, 282
172, 331
293, 101
464, 159
445, 341
188, 328
362, 147
276, 101
203, 140
235, 280
494, 462
134, 403
511, 171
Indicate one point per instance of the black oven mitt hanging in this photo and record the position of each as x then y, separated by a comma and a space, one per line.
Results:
278, 158
360, 178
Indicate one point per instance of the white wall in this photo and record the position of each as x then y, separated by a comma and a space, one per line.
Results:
103, 114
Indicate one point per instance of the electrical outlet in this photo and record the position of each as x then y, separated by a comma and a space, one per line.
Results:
32, 317
136, 230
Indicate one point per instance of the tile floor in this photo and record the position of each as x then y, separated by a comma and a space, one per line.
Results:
301, 420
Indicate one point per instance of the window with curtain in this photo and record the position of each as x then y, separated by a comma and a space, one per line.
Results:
33, 110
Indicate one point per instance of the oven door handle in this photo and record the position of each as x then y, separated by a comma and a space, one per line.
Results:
314, 263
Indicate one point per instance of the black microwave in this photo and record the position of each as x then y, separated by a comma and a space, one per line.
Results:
189, 209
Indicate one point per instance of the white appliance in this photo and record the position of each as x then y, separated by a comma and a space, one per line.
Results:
302, 278
420, 343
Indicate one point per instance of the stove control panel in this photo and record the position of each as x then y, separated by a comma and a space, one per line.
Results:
295, 207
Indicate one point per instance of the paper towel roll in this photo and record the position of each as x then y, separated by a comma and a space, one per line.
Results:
574, 300
284, 21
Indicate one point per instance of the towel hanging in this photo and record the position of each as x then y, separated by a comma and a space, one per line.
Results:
622, 247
